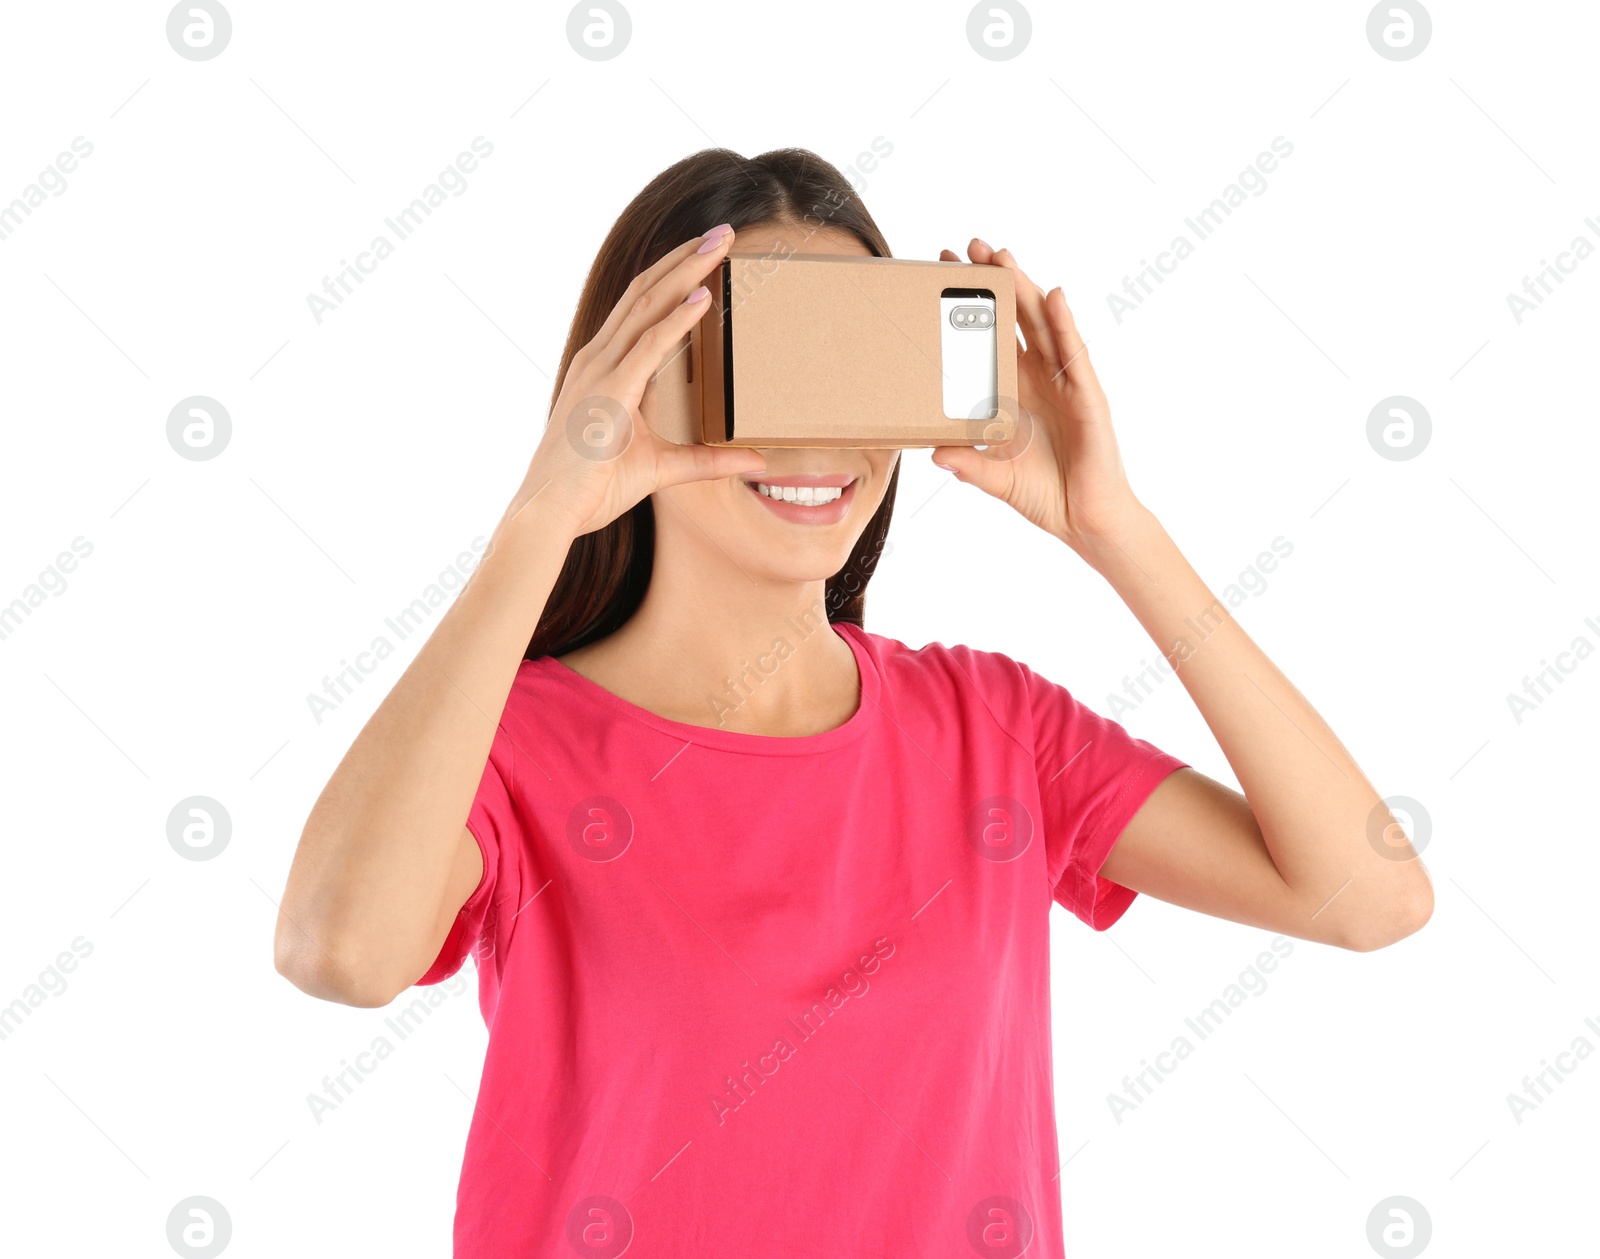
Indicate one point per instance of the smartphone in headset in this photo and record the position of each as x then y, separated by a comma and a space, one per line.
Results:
967, 354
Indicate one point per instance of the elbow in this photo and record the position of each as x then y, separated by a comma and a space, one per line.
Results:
326, 971
1393, 921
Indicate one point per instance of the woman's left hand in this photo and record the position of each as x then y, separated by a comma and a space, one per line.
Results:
1062, 470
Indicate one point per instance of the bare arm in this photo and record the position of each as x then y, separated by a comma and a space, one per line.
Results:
1296, 853
1308, 849
385, 862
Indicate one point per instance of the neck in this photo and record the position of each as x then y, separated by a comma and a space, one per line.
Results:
714, 646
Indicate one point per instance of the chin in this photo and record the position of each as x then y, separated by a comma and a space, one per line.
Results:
800, 564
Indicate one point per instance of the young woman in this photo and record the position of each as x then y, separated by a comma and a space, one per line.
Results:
758, 898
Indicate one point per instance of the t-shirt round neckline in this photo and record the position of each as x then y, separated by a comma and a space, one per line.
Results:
733, 740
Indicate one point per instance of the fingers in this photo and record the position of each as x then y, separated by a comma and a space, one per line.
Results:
629, 377
639, 284
1074, 363
656, 293
1030, 312
971, 466
678, 465
1046, 319
1036, 329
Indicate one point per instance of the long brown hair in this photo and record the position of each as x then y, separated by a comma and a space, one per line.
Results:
606, 572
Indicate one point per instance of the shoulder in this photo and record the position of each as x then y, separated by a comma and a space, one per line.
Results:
1005, 686
962, 664
538, 684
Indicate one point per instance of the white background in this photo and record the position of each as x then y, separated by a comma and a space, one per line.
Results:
369, 450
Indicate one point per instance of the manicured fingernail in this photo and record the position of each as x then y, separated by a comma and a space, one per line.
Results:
714, 237
946, 466
699, 294
983, 242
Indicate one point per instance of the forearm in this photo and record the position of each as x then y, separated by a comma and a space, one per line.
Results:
370, 873
1312, 804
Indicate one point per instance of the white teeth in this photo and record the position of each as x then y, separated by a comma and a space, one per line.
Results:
807, 495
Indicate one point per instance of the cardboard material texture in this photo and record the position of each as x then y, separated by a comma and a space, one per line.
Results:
833, 350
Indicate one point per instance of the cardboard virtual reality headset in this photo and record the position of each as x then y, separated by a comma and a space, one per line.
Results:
839, 350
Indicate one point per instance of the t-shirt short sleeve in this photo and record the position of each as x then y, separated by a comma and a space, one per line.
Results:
494, 824
1093, 777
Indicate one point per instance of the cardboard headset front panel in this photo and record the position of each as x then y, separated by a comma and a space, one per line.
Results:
831, 350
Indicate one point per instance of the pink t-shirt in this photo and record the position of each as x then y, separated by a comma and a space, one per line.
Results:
750, 995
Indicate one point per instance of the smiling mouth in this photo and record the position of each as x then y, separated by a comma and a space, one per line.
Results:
807, 495
807, 500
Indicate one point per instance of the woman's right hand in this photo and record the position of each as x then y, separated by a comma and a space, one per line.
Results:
598, 457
